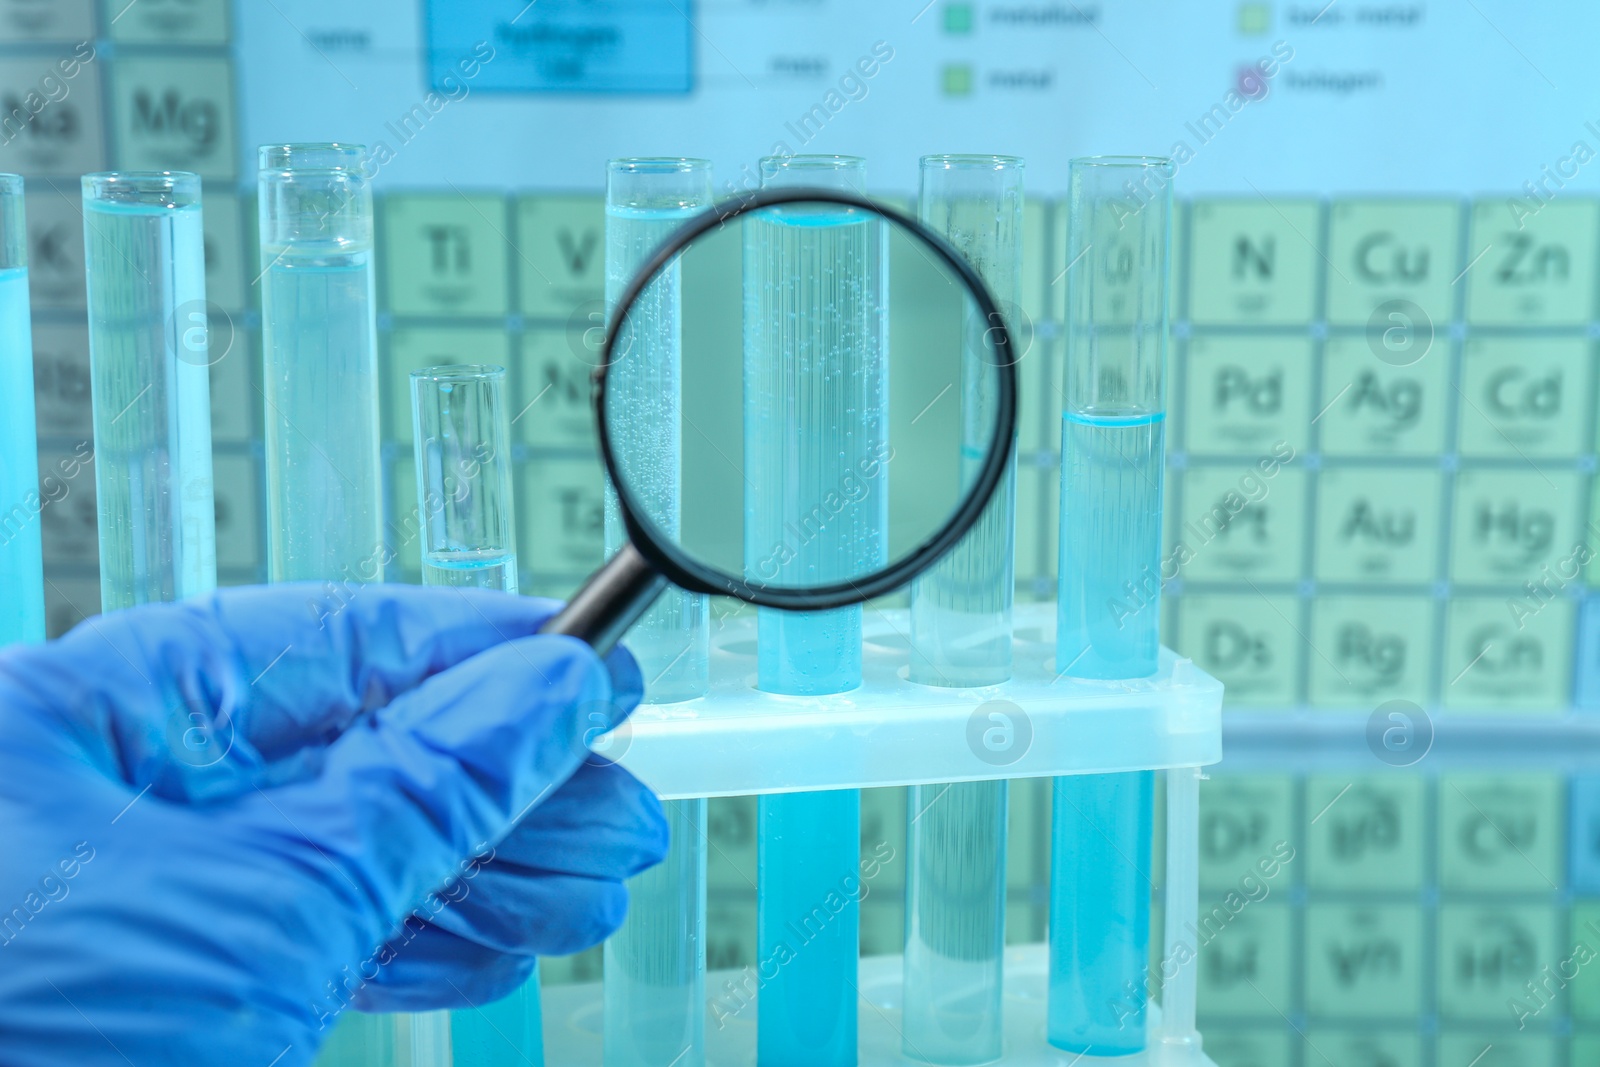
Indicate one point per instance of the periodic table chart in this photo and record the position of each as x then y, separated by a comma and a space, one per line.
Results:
1382, 391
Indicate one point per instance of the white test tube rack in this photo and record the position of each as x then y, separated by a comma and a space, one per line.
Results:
737, 741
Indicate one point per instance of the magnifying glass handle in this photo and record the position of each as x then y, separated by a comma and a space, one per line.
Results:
610, 601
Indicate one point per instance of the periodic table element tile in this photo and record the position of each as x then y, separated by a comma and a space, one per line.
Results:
1239, 524
1038, 403
1537, 269
190, 22
67, 523
1378, 525
226, 280
55, 245
53, 119
446, 254
1392, 250
1476, 1048
68, 601
1246, 394
883, 924
561, 255
1037, 276
175, 113
1030, 489
61, 389
1501, 833
1372, 408
883, 836
730, 937
1584, 992
46, 20
1510, 524
1252, 262
1364, 962
237, 488
1361, 1046
731, 833
1267, 1047
1364, 832
1243, 820
1487, 954
406, 526
1500, 661
1246, 968
553, 401
1027, 834
1525, 397
1247, 642
1368, 650
414, 347
563, 515
1583, 841
235, 385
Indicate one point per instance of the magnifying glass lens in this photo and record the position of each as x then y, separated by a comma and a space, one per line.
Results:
803, 400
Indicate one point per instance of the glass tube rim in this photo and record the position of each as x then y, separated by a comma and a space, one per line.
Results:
657, 165
971, 161
1128, 162
173, 189
312, 157
453, 373
821, 162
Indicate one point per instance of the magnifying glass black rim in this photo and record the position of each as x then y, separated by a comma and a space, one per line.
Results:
688, 573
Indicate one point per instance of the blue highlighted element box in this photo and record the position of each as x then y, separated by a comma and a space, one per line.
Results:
562, 46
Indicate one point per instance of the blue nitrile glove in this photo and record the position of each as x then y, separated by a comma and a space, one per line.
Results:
222, 821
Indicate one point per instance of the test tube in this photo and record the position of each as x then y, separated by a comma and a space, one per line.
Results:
462, 437
961, 636
144, 255
808, 284
1113, 422
320, 365
21, 559
655, 963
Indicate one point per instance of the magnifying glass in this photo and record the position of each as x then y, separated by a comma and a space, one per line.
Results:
768, 437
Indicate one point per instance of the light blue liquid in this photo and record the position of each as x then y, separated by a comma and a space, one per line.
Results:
507, 1033
815, 421
471, 570
21, 561
320, 374
152, 403
671, 642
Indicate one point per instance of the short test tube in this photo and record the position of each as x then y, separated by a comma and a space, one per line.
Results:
1112, 458
462, 436
144, 257
21, 556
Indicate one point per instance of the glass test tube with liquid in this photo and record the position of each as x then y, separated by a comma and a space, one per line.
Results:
21, 556
655, 964
144, 257
961, 636
1112, 461
815, 280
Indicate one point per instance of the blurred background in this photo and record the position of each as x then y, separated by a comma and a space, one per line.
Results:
1382, 387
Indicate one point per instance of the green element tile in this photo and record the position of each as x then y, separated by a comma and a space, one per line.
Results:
1030, 488
405, 528
1387, 250
1509, 653
1526, 397
730, 945
731, 835
1361, 1047
1244, 820
1255, 19
1247, 642
1512, 525
1028, 835
1580, 965
883, 925
563, 515
66, 135
446, 254
1231, 1047
1378, 526
412, 348
188, 22
1364, 832
1585, 1049
237, 491
1247, 394
68, 601
883, 837
68, 527
1246, 968
1239, 523
1363, 962
61, 399
1253, 262
1367, 650
956, 80
1372, 408
1038, 431
1501, 833
175, 113
1538, 265
1498, 1048
553, 398
57, 20
958, 18
55, 252
560, 261
1487, 954
235, 393
226, 280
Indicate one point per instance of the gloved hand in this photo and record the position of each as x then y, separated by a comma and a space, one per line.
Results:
225, 820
